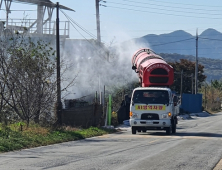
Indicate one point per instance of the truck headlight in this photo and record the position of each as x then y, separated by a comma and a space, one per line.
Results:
167, 115
135, 115
164, 116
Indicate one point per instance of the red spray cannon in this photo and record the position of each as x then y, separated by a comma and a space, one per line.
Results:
152, 69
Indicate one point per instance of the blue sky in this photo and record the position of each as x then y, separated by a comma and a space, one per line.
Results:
126, 19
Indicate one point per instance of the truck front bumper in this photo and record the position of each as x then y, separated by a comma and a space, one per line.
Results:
150, 123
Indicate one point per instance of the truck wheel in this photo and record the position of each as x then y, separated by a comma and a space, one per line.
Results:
144, 130
139, 130
133, 130
174, 128
168, 130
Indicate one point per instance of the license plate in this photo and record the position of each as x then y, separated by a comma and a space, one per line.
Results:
149, 122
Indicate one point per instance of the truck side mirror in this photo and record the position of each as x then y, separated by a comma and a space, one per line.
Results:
134, 67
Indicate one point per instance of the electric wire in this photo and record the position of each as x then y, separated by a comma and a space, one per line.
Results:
209, 53
126, 9
83, 29
172, 42
76, 28
152, 36
210, 39
17, 10
93, 45
70, 19
126, 1
31, 3
185, 49
50, 4
178, 15
174, 3
166, 9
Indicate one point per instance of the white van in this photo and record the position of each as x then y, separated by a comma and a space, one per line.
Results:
152, 108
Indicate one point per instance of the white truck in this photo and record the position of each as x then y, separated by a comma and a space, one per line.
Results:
153, 108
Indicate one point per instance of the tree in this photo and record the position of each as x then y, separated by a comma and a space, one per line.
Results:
27, 78
188, 68
217, 84
212, 95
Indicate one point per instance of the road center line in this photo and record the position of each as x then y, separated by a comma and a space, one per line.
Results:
153, 141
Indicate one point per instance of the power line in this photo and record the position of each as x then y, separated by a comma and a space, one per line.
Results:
190, 38
164, 36
93, 45
30, 3
17, 10
210, 39
172, 42
175, 3
187, 49
210, 53
168, 7
83, 29
162, 13
75, 27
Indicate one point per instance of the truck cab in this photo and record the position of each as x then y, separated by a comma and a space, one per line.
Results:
153, 108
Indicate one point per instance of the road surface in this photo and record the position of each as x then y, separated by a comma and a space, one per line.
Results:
197, 145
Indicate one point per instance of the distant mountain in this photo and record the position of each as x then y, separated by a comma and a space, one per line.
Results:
181, 42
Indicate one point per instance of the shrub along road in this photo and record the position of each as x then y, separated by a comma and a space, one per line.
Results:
196, 145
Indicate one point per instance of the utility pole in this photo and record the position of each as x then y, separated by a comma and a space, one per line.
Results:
205, 96
196, 65
59, 103
181, 83
98, 21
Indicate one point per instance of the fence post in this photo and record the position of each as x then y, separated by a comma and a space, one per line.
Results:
104, 102
100, 97
107, 106
96, 97
110, 105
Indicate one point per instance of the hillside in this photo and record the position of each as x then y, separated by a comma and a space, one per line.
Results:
212, 67
209, 43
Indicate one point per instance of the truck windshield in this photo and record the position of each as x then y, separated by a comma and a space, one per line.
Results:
151, 96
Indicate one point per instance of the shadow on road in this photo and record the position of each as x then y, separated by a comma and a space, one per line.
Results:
186, 134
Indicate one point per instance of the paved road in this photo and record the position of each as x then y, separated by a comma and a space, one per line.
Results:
196, 146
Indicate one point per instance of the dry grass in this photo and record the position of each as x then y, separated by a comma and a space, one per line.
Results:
37, 130
69, 128
211, 99
213, 112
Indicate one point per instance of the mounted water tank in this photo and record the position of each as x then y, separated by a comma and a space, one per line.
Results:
152, 70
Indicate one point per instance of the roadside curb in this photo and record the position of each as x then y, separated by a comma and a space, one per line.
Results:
218, 166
